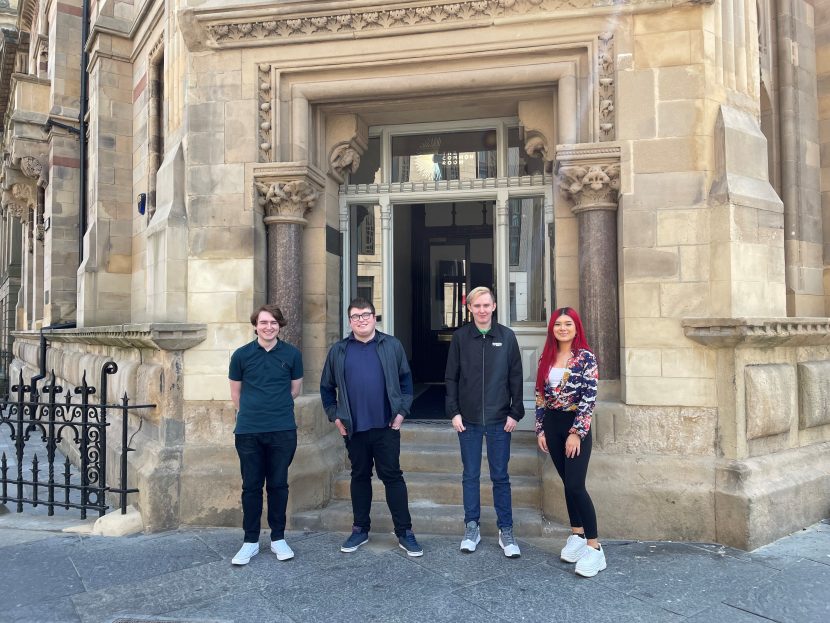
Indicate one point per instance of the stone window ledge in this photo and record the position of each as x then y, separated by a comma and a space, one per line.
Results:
158, 336
767, 332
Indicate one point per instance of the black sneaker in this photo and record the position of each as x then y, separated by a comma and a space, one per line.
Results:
408, 543
358, 537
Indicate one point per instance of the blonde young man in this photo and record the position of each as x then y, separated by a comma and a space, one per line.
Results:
484, 400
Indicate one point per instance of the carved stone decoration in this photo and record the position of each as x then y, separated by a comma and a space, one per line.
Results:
606, 91
344, 159
287, 202
24, 194
223, 34
591, 187
31, 167
265, 129
536, 146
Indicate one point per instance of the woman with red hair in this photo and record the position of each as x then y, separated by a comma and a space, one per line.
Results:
566, 389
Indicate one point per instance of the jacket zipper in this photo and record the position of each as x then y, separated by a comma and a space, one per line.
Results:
483, 350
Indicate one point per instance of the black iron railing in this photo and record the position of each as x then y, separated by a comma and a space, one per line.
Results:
52, 415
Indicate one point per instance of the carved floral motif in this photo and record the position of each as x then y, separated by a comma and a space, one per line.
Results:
24, 194
286, 201
605, 71
31, 167
383, 18
266, 140
591, 186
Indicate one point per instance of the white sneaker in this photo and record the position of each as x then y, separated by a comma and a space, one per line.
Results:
472, 537
508, 543
244, 555
591, 563
282, 550
574, 548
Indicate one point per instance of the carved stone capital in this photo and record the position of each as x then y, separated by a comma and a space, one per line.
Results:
25, 194
589, 176
287, 202
287, 191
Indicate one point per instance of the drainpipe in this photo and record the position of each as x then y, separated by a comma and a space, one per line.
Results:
82, 203
42, 359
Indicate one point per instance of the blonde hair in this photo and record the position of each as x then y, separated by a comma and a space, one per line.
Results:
477, 292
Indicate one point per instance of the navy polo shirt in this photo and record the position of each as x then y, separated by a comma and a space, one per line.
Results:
265, 404
366, 385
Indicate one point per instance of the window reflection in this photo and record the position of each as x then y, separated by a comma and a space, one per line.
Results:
366, 255
447, 156
526, 254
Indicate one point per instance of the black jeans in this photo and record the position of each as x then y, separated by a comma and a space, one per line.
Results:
264, 459
572, 471
380, 447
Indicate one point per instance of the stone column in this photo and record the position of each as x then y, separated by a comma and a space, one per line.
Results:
286, 198
590, 178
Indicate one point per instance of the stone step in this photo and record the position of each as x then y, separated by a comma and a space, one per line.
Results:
427, 519
431, 458
415, 432
446, 489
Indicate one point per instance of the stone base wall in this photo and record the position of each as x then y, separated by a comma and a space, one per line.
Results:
184, 464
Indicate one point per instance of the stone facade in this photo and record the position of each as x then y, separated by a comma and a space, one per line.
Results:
681, 165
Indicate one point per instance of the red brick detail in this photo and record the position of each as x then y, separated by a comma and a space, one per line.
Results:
63, 161
69, 9
139, 88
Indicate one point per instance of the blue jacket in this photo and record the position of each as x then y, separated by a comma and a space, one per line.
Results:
396, 372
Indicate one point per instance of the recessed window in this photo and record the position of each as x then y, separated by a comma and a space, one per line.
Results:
444, 157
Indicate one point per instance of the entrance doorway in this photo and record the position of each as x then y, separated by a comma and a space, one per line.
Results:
442, 251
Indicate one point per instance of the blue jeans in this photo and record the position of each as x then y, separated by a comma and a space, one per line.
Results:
264, 459
498, 455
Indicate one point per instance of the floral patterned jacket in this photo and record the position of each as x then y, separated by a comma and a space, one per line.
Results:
577, 391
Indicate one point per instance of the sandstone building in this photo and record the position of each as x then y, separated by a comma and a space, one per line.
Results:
662, 165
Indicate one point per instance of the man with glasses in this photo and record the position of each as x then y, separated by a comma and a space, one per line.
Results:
266, 375
366, 388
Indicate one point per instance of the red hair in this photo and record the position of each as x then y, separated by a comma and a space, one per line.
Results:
551, 349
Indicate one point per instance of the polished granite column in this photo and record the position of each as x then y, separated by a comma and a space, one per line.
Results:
286, 205
589, 176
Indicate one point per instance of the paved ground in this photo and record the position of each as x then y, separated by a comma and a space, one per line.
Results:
50, 576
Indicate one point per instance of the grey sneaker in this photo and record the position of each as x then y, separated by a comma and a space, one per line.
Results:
472, 537
508, 543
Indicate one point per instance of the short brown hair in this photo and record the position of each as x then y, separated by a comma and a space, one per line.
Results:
271, 309
360, 303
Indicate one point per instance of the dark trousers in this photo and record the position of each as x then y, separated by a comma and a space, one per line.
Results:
264, 459
572, 471
498, 456
381, 448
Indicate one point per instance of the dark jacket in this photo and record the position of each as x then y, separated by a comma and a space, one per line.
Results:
396, 373
484, 375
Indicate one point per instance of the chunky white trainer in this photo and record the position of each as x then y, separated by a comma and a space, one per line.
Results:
282, 550
591, 563
244, 555
472, 537
508, 543
574, 548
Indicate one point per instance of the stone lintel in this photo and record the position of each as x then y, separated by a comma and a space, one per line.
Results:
763, 332
157, 336
216, 25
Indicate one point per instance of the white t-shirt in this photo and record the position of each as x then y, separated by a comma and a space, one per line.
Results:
555, 376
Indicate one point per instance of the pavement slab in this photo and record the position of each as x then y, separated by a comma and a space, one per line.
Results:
774, 598
185, 575
678, 577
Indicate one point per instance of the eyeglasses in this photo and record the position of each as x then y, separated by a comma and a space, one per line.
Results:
363, 316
